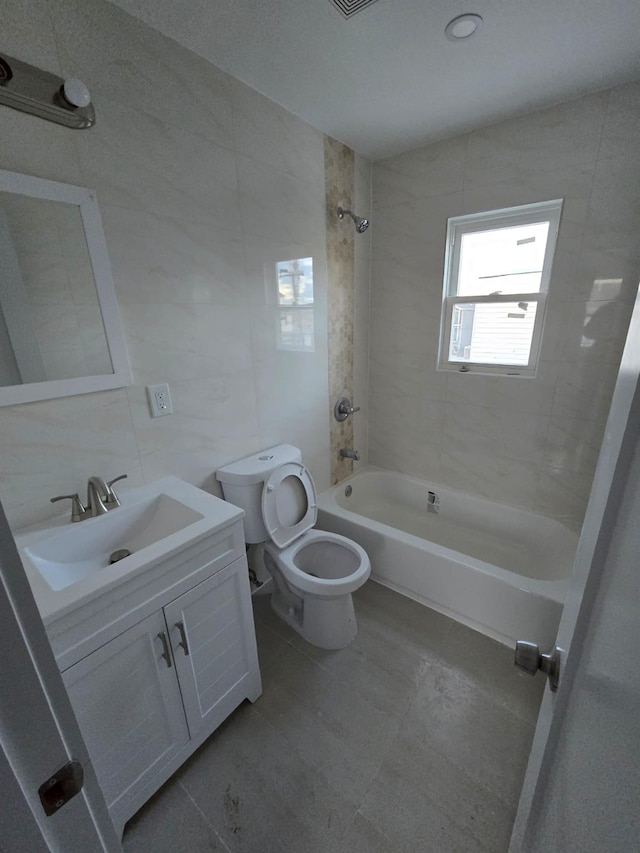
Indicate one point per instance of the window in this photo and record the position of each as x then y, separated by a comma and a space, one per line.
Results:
497, 271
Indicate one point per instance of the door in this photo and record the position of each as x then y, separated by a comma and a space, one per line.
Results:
213, 639
573, 791
38, 731
134, 732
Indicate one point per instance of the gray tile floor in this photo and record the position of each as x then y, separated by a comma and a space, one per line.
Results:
415, 738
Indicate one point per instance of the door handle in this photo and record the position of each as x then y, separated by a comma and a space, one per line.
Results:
529, 658
166, 654
183, 637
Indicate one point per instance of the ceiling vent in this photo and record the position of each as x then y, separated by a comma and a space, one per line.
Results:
348, 8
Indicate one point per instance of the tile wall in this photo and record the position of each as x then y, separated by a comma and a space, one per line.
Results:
530, 442
361, 307
204, 185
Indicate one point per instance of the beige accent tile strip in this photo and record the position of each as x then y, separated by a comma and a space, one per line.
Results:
339, 177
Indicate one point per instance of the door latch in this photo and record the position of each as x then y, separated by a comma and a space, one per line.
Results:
61, 787
529, 658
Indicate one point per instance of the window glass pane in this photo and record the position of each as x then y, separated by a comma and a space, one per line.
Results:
502, 260
492, 333
295, 281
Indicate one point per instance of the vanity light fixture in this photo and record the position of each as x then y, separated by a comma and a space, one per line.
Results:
31, 90
463, 27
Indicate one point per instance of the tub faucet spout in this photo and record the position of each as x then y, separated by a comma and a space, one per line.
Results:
347, 453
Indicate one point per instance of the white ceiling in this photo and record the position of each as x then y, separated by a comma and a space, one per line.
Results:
387, 79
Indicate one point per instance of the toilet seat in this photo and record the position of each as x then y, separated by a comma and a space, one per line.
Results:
281, 504
304, 582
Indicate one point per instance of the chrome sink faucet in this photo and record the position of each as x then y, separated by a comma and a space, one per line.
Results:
97, 495
100, 498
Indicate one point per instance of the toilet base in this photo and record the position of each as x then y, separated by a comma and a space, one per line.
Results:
328, 623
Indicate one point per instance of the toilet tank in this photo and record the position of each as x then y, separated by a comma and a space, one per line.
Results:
242, 483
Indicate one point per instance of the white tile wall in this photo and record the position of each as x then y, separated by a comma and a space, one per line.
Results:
203, 184
533, 442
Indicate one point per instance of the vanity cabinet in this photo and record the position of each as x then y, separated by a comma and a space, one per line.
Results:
149, 697
209, 635
127, 703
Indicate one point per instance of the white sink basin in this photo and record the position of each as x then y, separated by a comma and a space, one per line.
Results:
80, 550
68, 564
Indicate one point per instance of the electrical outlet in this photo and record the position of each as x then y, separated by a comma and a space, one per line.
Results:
159, 400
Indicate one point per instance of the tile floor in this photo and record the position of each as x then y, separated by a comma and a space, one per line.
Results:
415, 738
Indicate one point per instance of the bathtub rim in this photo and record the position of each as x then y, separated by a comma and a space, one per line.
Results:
551, 589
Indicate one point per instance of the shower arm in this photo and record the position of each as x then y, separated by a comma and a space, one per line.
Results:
361, 223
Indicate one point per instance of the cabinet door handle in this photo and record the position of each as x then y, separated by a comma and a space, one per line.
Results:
166, 654
183, 637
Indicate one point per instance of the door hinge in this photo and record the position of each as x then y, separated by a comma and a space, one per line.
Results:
61, 787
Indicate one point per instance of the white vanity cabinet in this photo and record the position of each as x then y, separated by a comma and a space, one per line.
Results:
127, 702
156, 649
148, 698
212, 638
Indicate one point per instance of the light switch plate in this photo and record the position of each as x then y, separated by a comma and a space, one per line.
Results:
159, 400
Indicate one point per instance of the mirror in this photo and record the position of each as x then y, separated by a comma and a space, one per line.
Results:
60, 328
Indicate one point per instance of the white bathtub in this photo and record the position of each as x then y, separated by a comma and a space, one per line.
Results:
496, 568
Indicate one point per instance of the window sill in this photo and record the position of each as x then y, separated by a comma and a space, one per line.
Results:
489, 370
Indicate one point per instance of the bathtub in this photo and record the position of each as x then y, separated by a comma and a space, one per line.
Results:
496, 568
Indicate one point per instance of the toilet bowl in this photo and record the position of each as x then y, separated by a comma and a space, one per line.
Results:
322, 569
314, 572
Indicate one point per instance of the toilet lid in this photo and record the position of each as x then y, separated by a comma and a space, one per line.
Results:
289, 503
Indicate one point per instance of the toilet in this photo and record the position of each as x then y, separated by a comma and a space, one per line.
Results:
313, 572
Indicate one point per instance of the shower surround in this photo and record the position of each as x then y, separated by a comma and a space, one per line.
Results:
532, 443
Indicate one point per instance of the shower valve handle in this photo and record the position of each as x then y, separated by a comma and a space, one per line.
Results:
343, 409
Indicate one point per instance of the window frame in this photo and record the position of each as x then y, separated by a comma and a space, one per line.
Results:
457, 227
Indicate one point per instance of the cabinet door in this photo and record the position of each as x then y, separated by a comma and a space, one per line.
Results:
214, 645
127, 701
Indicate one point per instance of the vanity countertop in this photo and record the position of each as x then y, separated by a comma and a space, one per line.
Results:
68, 564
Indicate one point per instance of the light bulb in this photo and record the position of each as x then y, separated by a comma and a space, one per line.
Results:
76, 93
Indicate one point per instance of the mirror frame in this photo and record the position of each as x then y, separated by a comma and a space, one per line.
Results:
28, 185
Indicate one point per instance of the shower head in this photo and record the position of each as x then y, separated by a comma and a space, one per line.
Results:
360, 223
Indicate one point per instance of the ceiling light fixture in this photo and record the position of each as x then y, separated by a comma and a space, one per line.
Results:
463, 27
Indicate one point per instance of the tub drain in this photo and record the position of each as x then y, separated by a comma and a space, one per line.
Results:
120, 554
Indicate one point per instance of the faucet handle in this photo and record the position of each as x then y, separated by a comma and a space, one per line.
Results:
111, 499
343, 409
78, 511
